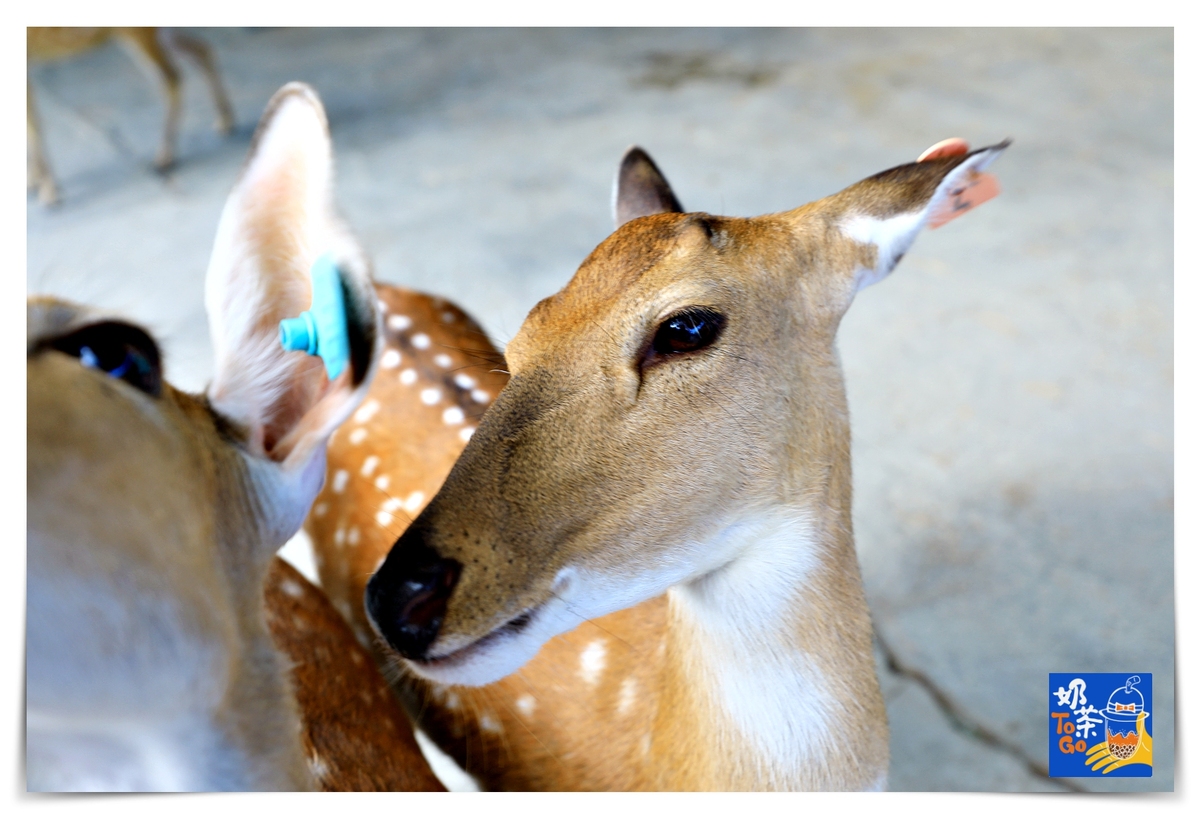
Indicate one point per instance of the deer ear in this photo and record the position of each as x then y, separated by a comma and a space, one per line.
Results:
277, 222
886, 211
640, 189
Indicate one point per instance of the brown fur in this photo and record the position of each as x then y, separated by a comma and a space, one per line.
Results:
585, 450
160, 486
153, 47
154, 516
356, 736
415, 446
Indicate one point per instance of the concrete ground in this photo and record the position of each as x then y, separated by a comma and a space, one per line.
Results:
1011, 385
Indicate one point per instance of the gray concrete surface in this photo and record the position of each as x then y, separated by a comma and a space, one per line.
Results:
1011, 384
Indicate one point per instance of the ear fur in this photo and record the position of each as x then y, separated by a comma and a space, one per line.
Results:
640, 189
277, 221
887, 210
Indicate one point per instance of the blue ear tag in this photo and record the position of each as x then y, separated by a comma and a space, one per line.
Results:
321, 330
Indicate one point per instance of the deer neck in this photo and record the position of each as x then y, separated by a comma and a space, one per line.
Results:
769, 662
258, 503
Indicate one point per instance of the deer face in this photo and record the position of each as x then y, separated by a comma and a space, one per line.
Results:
681, 387
99, 575
153, 514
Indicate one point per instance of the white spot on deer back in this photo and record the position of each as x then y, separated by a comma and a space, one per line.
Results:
317, 766
391, 504
442, 360
447, 317
291, 588
358, 436
479, 396
413, 503
489, 724
420, 341
390, 359
366, 411
430, 396
352, 537
399, 323
627, 695
466, 433
320, 509
591, 662
408, 377
339, 537
382, 481
526, 704
383, 518
452, 701
340, 478
368, 467
453, 416
464, 381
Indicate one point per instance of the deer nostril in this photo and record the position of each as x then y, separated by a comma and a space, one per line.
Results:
425, 599
407, 597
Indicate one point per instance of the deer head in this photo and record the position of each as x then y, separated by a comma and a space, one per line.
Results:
153, 514
676, 416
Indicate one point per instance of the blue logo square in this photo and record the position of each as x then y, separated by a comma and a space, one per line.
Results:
1101, 725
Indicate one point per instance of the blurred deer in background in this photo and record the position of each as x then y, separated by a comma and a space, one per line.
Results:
154, 516
640, 573
151, 47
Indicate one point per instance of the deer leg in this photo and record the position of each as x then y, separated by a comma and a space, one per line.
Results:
40, 176
200, 53
144, 43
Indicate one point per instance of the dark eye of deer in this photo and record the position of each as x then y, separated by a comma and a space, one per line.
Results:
688, 331
120, 350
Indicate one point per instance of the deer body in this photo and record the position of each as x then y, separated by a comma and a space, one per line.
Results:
153, 47
154, 515
640, 572
437, 375
355, 734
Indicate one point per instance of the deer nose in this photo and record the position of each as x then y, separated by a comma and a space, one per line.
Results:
406, 599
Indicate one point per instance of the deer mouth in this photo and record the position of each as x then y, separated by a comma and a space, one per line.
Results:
504, 649
461, 656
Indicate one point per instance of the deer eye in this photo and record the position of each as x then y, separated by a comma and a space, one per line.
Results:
687, 331
120, 350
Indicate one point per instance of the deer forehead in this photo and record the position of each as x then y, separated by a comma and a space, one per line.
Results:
656, 265
132, 470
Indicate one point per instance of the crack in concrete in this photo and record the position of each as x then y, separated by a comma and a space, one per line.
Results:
964, 722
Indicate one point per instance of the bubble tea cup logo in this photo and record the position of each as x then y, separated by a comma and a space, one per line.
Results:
1077, 745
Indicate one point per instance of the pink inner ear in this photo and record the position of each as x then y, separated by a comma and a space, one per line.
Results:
954, 146
978, 188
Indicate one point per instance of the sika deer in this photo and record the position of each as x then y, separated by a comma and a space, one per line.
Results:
154, 48
676, 422
154, 515
437, 374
